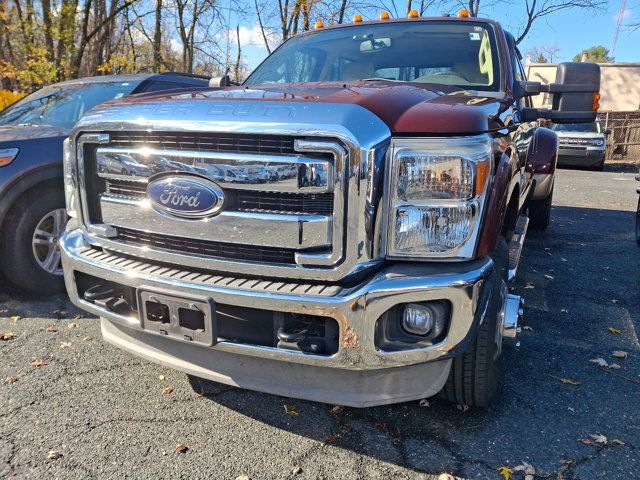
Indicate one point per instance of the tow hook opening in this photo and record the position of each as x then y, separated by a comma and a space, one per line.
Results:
111, 296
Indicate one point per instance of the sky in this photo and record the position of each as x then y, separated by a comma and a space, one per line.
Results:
572, 30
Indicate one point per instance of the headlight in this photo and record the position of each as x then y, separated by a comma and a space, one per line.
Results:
598, 142
437, 189
7, 155
70, 190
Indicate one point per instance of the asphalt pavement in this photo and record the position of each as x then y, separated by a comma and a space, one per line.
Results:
73, 407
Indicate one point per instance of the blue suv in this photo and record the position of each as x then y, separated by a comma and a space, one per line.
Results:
32, 131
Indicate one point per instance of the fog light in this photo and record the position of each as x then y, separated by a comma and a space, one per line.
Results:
418, 319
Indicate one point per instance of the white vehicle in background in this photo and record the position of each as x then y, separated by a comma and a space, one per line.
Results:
223, 173
255, 173
581, 144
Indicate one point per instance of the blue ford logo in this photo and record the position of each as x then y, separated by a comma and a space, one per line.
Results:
185, 196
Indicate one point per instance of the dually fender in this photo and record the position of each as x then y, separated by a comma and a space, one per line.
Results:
542, 158
502, 188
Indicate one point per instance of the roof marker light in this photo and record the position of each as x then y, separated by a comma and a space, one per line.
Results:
384, 15
464, 13
357, 18
319, 25
413, 14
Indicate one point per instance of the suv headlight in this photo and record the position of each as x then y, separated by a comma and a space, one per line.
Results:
437, 189
598, 142
69, 166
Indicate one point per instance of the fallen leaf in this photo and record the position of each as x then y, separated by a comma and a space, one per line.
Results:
598, 438
614, 366
87, 338
77, 317
506, 472
39, 363
564, 310
53, 455
296, 470
243, 477
180, 448
52, 329
72, 325
601, 362
613, 300
527, 327
615, 441
529, 285
7, 335
548, 277
337, 409
620, 354
424, 403
568, 381
66, 345
446, 476
562, 259
291, 410
615, 331
547, 249
161, 378
11, 379
15, 318
526, 468
167, 391
462, 408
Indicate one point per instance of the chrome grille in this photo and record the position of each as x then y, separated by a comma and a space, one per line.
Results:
207, 248
206, 142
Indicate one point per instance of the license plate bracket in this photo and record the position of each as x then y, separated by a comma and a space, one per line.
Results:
184, 318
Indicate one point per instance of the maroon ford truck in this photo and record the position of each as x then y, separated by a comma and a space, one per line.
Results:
342, 227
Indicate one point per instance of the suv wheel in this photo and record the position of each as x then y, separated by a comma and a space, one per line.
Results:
31, 256
473, 378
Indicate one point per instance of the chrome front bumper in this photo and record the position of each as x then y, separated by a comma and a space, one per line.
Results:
359, 374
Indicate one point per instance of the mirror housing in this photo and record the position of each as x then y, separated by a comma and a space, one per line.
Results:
219, 82
575, 94
607, 132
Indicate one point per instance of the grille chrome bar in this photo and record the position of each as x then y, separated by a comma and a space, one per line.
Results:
244, 228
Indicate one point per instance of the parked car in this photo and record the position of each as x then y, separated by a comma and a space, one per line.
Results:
381, 272
581, 144
32, 215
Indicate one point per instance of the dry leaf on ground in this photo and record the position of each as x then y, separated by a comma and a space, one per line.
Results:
424, 403
11, 379
7, 335
53, 455
601, 362
446, 476
529, 285
167, 391
66, 345
614, 366
506, 472
548, 277
291, 410
337, 409
243, 477
52, 329
72, 325
620, 354
39, 363
180, 448
599, 438
615, 331
87, 338
462, 408
296, 470
527, 327
15, 318
161, 377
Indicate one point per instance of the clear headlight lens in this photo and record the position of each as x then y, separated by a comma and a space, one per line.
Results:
598, 142
437, 192
70, 190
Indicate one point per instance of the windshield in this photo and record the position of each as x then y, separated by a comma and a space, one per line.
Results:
577, 127
63, 105
461, 54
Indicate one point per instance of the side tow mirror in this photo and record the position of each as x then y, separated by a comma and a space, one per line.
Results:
219, 82
607, 132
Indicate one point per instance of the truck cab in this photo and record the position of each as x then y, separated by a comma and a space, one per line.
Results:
375, 267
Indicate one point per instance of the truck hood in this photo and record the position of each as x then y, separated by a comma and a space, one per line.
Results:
585, 135
18, 133
406, 109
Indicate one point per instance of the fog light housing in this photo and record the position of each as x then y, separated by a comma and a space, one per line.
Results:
417, 319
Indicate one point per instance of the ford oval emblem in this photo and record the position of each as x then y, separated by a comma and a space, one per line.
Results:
185, 196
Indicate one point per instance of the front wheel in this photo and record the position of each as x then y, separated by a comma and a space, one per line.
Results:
473, 378
31, 254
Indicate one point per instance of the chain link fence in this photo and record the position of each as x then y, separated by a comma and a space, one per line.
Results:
623, 143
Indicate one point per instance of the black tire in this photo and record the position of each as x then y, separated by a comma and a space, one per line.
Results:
540, 212
638, 223
473, 378
599, 167
18, 260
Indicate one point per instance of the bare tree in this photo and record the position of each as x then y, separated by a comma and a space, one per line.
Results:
157, 37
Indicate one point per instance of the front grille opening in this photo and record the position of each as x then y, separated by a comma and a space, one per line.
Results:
157, 312
207, 248
191, 319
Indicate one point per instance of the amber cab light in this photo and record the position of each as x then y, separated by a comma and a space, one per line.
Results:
464, 13
413, 14
384, 16
357, 18
319, 25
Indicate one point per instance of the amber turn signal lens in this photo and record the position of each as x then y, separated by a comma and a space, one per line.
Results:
595, 104
464, 13
357, 18
384, 16
413, 14
482, 174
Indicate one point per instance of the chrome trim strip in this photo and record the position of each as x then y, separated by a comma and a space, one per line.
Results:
112, 162
243, 228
